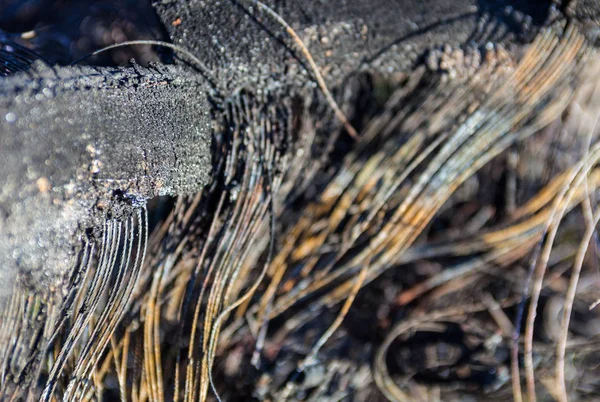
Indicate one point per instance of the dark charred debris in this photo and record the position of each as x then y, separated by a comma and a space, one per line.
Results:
170, 231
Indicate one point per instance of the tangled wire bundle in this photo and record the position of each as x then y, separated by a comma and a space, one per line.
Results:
324, 201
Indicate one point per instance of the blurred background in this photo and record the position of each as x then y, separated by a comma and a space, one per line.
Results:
63, 31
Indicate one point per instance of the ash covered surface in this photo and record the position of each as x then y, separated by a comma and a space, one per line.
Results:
80, 144
291, 194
